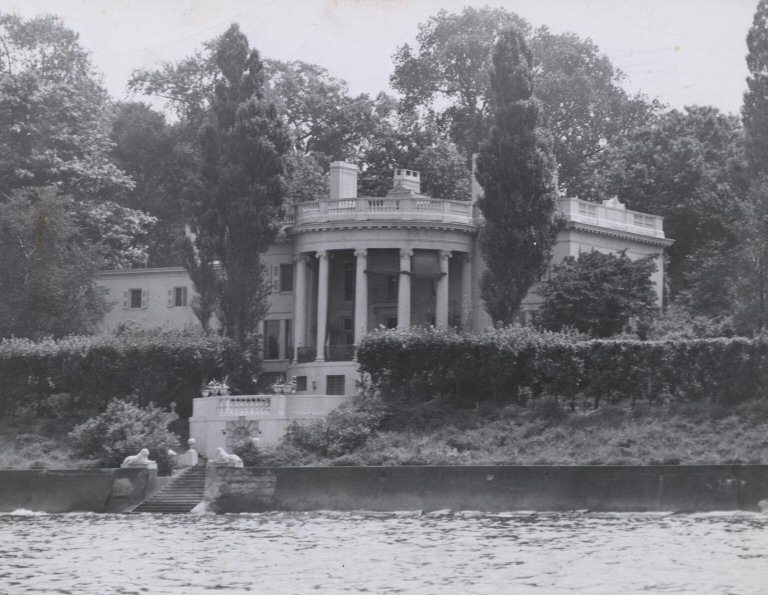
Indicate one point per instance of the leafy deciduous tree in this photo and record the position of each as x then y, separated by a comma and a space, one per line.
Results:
598, 293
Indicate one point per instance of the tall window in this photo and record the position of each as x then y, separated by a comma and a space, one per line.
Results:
178, 297
286, 277
334, 385
349, 280
136, 298
271, 339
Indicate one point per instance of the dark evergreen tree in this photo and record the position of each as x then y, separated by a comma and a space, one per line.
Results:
755, 109
516, 169
243, 146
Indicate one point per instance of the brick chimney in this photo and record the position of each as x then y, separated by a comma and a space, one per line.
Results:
343, 180
408, 179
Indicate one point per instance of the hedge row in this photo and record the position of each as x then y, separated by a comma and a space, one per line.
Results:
497, 364
153, 366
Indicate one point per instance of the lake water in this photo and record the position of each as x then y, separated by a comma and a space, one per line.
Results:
329, 552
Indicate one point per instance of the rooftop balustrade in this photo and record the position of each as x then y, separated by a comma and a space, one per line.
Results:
372, 209
611, 214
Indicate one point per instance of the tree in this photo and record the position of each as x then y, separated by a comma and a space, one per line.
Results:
516, 169
583, 103
688, 167
46, 267
755, 221
598, 293
242, 183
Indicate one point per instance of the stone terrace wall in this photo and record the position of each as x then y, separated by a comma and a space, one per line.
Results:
490, 489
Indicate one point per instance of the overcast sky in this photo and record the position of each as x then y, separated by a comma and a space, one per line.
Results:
682, 51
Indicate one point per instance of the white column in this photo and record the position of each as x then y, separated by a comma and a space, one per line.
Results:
322, 303
441, 299
361, 295
404, 290
300, 306
467, 291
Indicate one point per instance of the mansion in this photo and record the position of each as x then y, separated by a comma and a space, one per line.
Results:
347, 263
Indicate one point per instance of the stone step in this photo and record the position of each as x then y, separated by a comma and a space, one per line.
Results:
180, 495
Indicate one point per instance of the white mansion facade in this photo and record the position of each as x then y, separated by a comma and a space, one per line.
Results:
347, 263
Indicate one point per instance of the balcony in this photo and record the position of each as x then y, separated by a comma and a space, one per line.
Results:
306, 354
339, 353
380, 209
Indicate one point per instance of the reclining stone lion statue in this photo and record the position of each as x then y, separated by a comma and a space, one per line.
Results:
139, 460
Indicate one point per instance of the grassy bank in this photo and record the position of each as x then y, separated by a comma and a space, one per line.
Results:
27, 443
691, 433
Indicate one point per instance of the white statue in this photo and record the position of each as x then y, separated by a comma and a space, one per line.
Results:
139, 460
225, 459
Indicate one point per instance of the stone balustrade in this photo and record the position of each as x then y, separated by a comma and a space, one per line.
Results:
366, 208
611, 214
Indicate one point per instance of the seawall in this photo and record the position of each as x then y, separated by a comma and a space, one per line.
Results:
489, 488
79, 490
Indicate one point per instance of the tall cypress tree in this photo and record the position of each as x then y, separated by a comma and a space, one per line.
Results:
516, 169
243, 145
754, 280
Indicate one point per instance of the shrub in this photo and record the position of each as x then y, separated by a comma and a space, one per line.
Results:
249, 451
511, 363
340, 432
154, 366
122, 430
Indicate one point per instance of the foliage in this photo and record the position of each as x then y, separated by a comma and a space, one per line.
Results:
123, 429
516, 169
248, 450
55, 110
342, 431
47, 270
688, 167
518, 364
598, 293
755, 109
238, 205
160, 158
584, 104
150, 366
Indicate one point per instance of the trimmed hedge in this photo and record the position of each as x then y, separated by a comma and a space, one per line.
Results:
498, 364
152, 366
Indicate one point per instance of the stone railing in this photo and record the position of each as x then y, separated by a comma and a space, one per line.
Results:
612, 216
365, 209
234, 405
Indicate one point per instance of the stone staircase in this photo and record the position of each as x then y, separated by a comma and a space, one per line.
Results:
181, 494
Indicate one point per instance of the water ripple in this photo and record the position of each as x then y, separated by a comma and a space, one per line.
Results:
404, 552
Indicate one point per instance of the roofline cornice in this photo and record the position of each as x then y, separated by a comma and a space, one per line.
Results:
617, 233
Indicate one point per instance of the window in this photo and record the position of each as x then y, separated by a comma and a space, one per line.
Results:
271, 339
301, 383
288, 340
177, 297
286, 277
391, 291
334, 385
135, 298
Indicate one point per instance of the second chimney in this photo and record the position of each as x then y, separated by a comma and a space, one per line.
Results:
408, 179
343, 180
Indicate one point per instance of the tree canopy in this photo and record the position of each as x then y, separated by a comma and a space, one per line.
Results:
583, 103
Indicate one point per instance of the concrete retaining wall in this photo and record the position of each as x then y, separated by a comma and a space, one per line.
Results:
491, 489
87, 490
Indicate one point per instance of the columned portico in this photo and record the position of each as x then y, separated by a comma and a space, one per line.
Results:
404, 290
300, 306
322, 303
441, 298
361, 295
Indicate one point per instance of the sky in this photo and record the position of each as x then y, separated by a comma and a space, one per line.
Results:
683, 52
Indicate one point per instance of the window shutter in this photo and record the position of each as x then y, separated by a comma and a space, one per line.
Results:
143, 298
126, 299
170, 298
275, 277
184, 296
